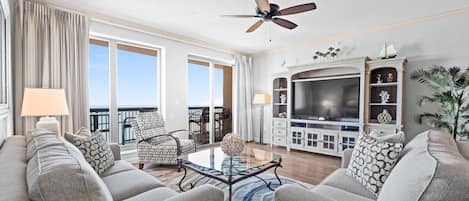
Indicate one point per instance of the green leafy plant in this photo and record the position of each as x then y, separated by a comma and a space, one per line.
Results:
451, 86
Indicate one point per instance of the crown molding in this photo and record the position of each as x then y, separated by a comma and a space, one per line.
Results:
365, 31
106, 19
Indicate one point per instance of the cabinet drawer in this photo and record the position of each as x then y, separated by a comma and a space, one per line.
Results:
279, 123
279, 132
279, 140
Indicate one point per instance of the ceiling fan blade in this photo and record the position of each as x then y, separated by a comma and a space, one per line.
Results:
263, 5
297, 9
240, 16
284, 23
255, 26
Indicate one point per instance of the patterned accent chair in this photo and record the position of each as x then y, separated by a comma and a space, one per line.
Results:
157, 146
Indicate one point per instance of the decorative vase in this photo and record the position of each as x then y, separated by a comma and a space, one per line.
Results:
283, 98
232, 144
390, 77
384, 117
378, 79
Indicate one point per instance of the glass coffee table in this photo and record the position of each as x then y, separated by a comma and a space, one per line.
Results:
214, 164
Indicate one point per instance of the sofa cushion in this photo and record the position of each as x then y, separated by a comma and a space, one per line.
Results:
39, 139
338, 194
372, 162
431, 169
339, 180
119, 166
13, 169
31, 134
60, 172
157, 194
127, 184
95, 149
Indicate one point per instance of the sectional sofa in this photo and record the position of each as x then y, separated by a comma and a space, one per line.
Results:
432, 167
48, 168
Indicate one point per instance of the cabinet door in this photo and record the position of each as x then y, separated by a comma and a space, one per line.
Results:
312, 139
296, 139
329, 141
347, 141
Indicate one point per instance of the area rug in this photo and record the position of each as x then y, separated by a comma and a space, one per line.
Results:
251, 189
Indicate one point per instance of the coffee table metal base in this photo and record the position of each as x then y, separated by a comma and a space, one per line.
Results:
230, 180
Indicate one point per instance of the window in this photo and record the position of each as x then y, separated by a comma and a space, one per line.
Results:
137, 86
98, 86
209, 89
123, 81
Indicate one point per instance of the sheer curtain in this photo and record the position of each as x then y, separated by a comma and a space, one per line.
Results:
51, 51
244, 95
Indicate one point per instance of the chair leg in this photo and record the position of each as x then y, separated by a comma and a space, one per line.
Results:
179, 165
140, 166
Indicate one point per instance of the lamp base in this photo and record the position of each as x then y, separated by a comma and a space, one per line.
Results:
49, 123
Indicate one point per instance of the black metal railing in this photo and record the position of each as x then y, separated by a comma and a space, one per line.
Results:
100, 121
198, 122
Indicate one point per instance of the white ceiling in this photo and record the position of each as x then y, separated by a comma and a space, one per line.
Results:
200, 19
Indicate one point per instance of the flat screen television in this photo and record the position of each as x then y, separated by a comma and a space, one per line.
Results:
327, 100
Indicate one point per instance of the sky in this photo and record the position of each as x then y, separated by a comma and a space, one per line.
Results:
137, 80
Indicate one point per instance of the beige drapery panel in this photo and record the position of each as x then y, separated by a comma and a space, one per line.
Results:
244, 81
51, 51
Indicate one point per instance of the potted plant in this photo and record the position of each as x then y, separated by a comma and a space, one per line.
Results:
451, 88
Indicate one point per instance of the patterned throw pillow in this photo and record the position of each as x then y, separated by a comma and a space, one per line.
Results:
372, 162
95, 150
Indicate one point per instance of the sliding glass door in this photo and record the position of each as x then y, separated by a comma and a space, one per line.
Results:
123, 81
209, 101
137, 84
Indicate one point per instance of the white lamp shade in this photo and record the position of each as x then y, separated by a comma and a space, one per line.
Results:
44, 102
261, 99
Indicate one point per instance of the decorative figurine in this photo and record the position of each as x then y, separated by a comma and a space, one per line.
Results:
378, 79
384, 96
283, 98
390, 77
387, 52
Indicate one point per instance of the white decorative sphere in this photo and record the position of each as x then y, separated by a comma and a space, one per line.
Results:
232, 144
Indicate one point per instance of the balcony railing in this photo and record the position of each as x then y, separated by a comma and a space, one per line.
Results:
198, 122
100, 121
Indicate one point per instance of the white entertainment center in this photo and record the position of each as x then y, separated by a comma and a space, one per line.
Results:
331, 137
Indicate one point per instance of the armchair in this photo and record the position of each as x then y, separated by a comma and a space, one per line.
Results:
157, 146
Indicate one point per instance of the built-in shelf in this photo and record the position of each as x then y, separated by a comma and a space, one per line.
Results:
283, 89
280, 103
383, 84
374, 122
383, 104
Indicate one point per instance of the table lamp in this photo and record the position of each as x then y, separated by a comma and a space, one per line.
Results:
261, 100
45, 103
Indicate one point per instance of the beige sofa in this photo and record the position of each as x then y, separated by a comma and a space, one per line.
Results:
49, 168
432, 167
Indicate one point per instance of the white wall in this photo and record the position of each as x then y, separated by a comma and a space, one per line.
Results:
442, 41
174, 68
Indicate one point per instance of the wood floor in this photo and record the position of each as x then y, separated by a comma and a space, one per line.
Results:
303, 166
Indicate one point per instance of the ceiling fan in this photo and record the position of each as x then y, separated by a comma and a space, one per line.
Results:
270, 12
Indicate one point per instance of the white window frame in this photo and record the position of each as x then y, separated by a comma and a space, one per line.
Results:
113, 79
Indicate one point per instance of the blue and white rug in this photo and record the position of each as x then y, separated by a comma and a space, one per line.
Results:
251, 189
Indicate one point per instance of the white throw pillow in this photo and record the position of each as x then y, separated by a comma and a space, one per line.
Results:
372, 161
